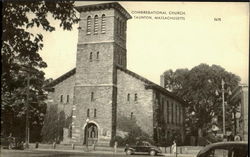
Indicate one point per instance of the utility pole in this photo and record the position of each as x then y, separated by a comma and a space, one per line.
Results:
223, 107
27, 132
28, 70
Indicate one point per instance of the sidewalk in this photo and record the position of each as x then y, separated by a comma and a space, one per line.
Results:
108, 152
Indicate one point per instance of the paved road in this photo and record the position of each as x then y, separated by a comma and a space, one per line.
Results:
38, 153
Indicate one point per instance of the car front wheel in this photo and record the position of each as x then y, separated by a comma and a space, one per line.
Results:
152, 153
128, 152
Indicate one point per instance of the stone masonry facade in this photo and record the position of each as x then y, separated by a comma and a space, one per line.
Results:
101, 89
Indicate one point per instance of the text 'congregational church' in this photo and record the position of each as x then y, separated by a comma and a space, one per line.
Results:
101, 91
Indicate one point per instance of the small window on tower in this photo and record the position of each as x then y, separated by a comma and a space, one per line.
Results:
96, 25
94, 112
103, 24
92, 96
89, 25
131, 115
90, 56
97, 55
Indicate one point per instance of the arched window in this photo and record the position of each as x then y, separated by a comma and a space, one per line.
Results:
67, 98
94, 112
121, 59
136, 97
96, 24
87, 112
90, 56
118, 26
92, 96
124, 28
97, 55
120, 31
103, 24
128, 97
89, 25
61, 99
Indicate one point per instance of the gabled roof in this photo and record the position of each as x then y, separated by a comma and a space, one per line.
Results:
149, 84
152, 85
102, 6
61, 78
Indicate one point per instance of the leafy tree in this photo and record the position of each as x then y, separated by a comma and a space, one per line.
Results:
20, 57
130, 126
198, 87
50, 127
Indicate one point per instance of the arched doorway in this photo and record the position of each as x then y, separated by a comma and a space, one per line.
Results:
90, 134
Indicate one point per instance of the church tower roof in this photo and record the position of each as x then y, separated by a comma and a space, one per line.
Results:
102, 6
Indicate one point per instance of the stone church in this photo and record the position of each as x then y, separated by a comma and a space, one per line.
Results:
101, 90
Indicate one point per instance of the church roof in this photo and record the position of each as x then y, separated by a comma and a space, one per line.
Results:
149, 84
114, 5
61, 78
152, 85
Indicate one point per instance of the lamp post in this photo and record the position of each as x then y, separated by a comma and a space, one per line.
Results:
87, 133
223, 105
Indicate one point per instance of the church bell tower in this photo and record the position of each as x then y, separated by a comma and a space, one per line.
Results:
101, 48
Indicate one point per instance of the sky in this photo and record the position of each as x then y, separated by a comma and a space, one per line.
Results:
208, 32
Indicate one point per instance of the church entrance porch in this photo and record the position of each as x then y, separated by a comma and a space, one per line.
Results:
90, 134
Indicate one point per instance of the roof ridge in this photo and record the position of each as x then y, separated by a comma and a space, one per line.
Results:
151, 84
62, 77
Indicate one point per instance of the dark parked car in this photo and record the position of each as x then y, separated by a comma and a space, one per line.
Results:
142, 147
225, 149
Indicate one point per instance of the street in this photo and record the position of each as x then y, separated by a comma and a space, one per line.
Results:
39, 153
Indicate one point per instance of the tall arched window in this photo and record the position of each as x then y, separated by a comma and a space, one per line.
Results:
124, 28
103, 24
118, 26
94, 112
90, 56
89, 25
97, 55
96, 24
87, 112
92, 96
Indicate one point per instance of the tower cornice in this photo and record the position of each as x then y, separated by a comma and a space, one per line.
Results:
103, 6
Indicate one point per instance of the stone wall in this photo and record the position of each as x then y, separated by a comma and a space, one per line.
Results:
141, 108
102, 102
64, 89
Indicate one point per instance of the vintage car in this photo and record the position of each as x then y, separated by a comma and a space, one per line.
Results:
142, 147
225, 149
